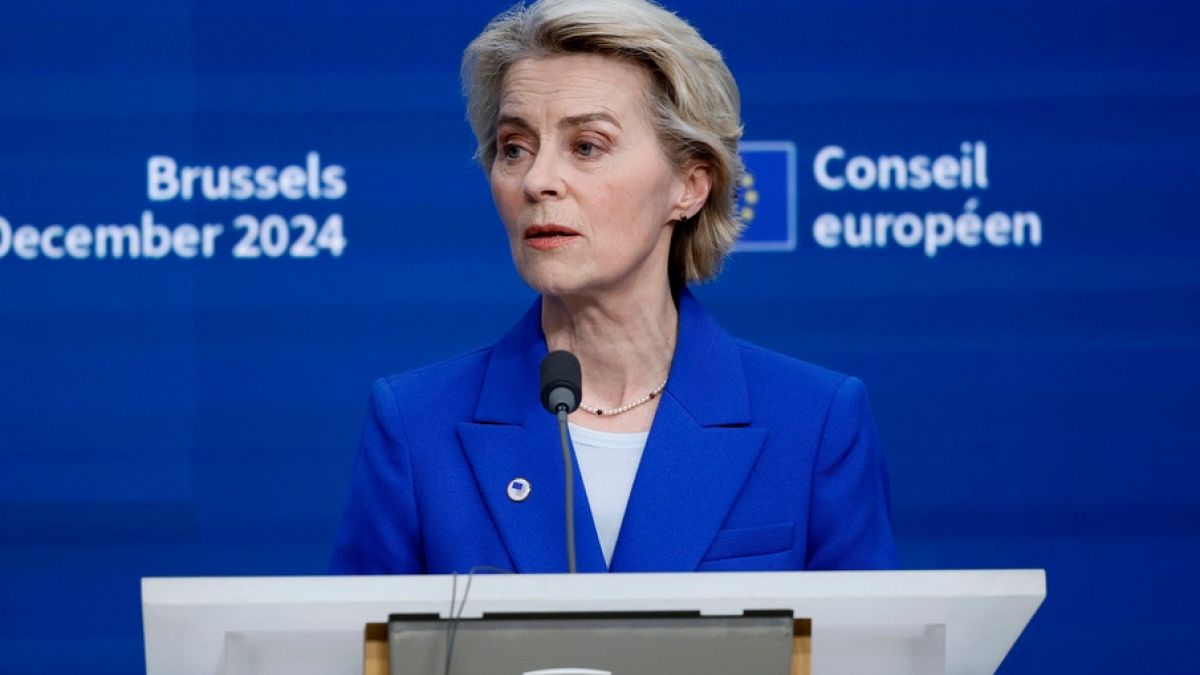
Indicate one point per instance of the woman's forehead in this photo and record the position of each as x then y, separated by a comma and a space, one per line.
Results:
574, 86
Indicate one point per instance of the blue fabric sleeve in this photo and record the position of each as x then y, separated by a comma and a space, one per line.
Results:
850, 515
380, 531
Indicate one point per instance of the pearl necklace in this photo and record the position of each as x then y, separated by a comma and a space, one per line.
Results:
627, 407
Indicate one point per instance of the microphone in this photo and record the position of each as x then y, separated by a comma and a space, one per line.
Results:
562, 390
562, 382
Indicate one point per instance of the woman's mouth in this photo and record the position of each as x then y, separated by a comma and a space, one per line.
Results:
545, 237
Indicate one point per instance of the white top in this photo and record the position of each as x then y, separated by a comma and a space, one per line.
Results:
608, 463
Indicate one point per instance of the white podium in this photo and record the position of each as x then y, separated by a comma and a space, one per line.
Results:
862, 622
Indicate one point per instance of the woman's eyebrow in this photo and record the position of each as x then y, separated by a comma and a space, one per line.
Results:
515, 121
580, 120
565, 123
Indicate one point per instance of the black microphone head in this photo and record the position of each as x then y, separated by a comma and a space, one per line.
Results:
562, 381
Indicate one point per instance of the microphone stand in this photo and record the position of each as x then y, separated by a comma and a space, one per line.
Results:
569, 490
562, 389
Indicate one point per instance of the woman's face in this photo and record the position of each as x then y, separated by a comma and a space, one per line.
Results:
585, 192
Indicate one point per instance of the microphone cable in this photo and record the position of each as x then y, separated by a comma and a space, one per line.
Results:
455, 615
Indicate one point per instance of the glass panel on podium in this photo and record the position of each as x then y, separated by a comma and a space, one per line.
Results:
629, 643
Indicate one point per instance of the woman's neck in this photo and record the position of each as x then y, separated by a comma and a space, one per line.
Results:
624, 345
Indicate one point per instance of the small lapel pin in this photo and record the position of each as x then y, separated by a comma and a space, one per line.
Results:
518, 489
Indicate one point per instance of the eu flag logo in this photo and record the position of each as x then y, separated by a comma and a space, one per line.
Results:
766, 198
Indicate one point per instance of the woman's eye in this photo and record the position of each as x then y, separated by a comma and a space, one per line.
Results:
511, 151
585, 149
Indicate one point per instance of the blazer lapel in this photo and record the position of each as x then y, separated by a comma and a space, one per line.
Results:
533, 530
686, 483
700, 451
512, 437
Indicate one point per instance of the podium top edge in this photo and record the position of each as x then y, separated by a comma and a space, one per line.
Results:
1028, 583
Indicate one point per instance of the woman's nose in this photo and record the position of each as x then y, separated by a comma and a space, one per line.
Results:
544, 178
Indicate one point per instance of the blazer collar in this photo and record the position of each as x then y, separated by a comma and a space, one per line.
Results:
697, 457
706, 378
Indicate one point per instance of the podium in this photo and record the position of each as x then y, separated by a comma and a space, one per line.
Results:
861, 622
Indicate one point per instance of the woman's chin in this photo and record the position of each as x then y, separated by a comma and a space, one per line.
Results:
556, 288
556, 280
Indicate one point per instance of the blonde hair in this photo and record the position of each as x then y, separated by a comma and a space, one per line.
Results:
694, 106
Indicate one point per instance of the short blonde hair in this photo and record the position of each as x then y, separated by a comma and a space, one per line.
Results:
695, 104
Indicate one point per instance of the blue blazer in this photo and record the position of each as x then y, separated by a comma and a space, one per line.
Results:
755, 461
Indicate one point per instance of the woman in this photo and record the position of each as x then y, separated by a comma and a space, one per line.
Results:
609, 131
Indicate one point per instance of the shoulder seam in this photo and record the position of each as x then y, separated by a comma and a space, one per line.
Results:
439, 364
821, 446
407, 457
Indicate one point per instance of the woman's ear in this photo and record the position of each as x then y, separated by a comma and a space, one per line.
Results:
697, 183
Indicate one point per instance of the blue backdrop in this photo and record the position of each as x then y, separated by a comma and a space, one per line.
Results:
220, 221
